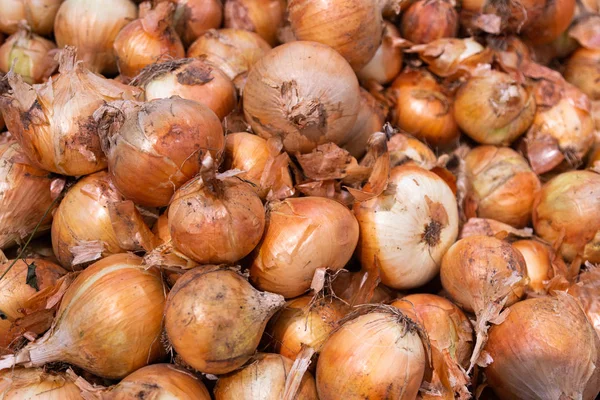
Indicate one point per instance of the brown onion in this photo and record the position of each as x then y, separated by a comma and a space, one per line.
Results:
92, 26
39, 15
423, 109
567, 211
553, 19
147, 40
109, 321
292, 248
353, 288
263, 379
539, 260
387, 60
406, 230
37, 383
264, 17
583, 71
303, 92
205, 337
427, 20
405, 148
194, 17
29, 53
370, 119
155, 147
53, 122
586, 290
545, 349
376, 355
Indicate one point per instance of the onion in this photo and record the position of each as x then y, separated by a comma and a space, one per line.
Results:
304, 92
292, 248
451, 336
553, 19
92, 26
161, 229
29, 52
53, 122
427, 20
583, 71
27, 194
376, 355
501, 185
492, 108
540, 262
405, 148
423, 109
264, 17
155, 147
353, 288
566, 211
482, 274
545, 349
370, 119
263, 379
147, 40
194, 17
491, 227
189, 79
387, 60
39, 15
407, 229
109, 321
21, 383
586, 291
205, 337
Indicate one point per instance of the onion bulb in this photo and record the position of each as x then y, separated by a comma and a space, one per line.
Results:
405, 148
552, 19
540, 262
147, 40
586, 290
406, 230
427, 20
370, 119
53, 122
91, 26
292, 248
376, 355
194, 17
109, 321
190, 79
207, 338
36, 383
492, 108
39, 15
353, 288
387, 60
501, 185
583, 71
155, 147
264, 17
422, 108
545, 349
263, 379
29, 53
567, 210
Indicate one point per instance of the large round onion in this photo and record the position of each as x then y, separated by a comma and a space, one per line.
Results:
194, 17
264, 17
293, 246
304, 92
406, 230
214, 318
568, 208
29, 52
155, 147
38, 384
545, 349
39, 15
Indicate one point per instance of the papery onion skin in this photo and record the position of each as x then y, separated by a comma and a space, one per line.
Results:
292, 247
36, 383
545, 349
39, 15
206, 338
304, 92
538, 263
387, 60
405, 148
349, 287
567, 208
194, 17
586, 290
29, 52
427, 20
370, 119
408, 229
583, 71
261, 16
101, 21
263, 379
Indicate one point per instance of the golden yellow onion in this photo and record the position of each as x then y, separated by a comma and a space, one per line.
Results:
427, 20
29, 53
405, 148
387, 60
37, 383
406, 230
207, 338
194, 17
540, 261
583, 71
370, 119
292, 248
263, 379
39, 15
303, 92
92, 26
264, 17
586, 290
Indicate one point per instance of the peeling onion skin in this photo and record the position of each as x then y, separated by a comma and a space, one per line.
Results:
263, 379
304, 92
583, 71
427, 20
569, 204
545, 349
408, 228
214, 318
264, 17
194, 17
36, 383
39, 15
501, 184
292, 247
31, 54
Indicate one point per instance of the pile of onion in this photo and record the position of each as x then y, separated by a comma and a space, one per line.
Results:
194, 17
37, 383
39, 15
427, 20
264, 17
29, 52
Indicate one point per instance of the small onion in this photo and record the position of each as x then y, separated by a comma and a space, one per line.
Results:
423, 109
492, 108
583, 71
545, 349
29, 52
263, 379
92, 26
427, 20
207, 338
539, 263
376, 355
155, 147
304, 92
36, 383
568, 209
194, 17
405, 148
147, 40
387, 60
586, 290
407, 229
39, 15
292, 248
264, 17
